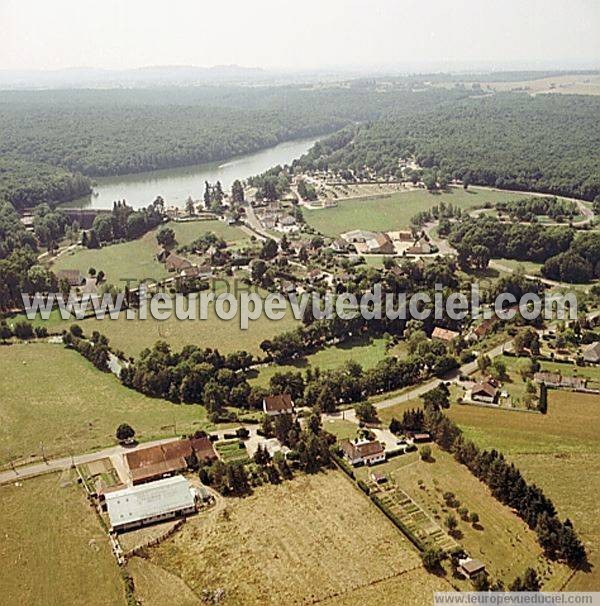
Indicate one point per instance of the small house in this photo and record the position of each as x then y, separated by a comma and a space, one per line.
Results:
470, 567
176, 263
73, 276
484, 392
443, 334
339, 245
363, 453
421, 247
279, 404
591, 353
421, 437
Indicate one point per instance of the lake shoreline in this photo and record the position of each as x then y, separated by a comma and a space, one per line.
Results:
176, 184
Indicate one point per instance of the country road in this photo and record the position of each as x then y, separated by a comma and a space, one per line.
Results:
419, 390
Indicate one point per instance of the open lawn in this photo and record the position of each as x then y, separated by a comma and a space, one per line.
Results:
131, 336
136, 260
572, 481
394, 212
53, 395
366, 352
53, 550
154, 586
572, 424
306, 540
527, 267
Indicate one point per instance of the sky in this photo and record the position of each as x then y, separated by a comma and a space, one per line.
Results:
307, 34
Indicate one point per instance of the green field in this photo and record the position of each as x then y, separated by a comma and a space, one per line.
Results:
52, 395
136, 260
131, 336
54, 551
527, 267
395, 212
366, 352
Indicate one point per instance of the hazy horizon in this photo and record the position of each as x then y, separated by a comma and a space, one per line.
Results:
382, 35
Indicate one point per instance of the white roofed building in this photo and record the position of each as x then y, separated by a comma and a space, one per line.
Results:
149, 503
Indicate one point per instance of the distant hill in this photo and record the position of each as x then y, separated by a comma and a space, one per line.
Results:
183, 75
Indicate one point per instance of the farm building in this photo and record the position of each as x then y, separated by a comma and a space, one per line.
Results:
149, 503
278, 405
381, 244
554, 379
470, 567
484, 392
147, 464
443, 334
176, 263
363, 453
591, 353
73, 276
358, 235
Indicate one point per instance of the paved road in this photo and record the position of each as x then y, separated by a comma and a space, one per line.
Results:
254, 224
63, 463
113, 452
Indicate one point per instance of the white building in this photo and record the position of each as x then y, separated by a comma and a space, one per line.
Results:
363, 453
149, 503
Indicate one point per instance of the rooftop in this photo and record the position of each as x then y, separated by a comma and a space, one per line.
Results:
148, 500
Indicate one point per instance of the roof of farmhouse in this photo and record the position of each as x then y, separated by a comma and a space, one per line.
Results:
149, 500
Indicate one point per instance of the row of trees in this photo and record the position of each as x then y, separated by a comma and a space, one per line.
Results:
124, 223
193, 376
527, 209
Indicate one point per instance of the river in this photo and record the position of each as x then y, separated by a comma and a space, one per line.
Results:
175, 185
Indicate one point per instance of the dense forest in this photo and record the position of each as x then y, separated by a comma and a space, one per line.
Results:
51, 139
546, 143
27, 183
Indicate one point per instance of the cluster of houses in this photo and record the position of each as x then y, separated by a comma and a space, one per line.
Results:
183, 268
154, 491
273, 217
386, 243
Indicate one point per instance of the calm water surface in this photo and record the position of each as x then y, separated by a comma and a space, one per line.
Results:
177, 184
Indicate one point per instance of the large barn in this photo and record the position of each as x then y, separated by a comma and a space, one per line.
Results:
149, 503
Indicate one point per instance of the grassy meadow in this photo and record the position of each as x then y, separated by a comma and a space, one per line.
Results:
311, 539
136, 260
501, 539
53, 550
71, 405
366, 352
394, 212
